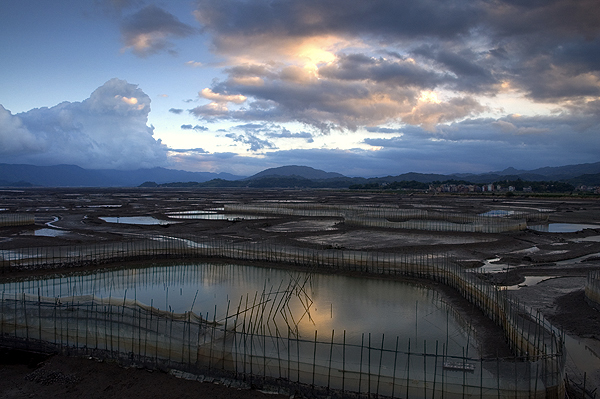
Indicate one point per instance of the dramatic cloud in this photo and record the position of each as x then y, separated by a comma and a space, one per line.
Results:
360, 87
107, 130
369, 92
148, 31
465, 47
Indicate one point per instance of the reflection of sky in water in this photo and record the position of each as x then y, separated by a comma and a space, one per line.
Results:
49, 233
562, 227
497, 213
356, 305
145, 220
217, 216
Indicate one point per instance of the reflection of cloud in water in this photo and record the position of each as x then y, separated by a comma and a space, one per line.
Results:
340, 303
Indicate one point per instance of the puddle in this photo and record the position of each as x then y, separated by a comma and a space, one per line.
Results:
304, 225
497, 213
141, 220
579, 259
190, 212
50, 233
587, 239
531, 250
562, 227
529, 281
585, 353
218, 216
491, 266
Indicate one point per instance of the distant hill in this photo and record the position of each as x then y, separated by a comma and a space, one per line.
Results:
74, 176
552, 173
412, 176
305, 172
284, 176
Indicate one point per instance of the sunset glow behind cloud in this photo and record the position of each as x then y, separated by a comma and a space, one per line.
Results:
357, 87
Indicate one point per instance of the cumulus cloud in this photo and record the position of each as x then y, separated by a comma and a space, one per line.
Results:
150, 30
176, 111
15, 138
107, 130
222, 98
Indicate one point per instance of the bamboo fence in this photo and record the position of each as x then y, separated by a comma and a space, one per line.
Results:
536, 371
387, 217
592, 289
16, 219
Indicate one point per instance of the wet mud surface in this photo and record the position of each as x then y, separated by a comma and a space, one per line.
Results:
509, 258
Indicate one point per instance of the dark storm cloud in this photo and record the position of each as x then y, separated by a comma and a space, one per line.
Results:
581, 55
469, 46
574, 137
384, 18
396, 72
148, 30
548, 46
544, 19
471, 70
419, 72
368, 92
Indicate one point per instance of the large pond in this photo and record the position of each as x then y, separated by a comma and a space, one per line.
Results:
296, 300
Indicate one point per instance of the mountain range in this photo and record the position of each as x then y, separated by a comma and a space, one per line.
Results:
74, 176
16, 175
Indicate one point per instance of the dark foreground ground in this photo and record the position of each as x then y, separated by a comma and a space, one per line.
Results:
563, 258
74, 378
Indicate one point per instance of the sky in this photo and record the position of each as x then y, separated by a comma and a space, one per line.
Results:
359, 87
